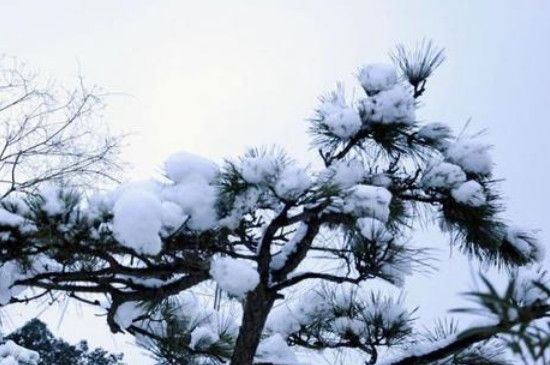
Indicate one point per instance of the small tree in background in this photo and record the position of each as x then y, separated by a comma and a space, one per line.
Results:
289, 253
36, 336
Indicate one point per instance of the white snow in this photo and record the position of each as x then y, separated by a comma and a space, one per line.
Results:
10, 272
443, 175
292, 182
13, 354
344, 173
172, 215
126, 313
530, 249
396, 271
435, 132
344, 122
184, 166
52, 203
343, 325
9, 219
392, 106
470, 193
368, 201
419, 349
194, 190
137, 221
383, 180
258, 170
203, 337
278, 260
526, 291
473, 156
243, 203
197, 200
275, 350
236, 277
374, 230
377, 77
287, 319
390, 311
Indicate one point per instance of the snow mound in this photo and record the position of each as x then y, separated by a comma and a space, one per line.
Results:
343, 123
13, 354
203, 337
52, 203
392, 106
368, 201
525, 243
470, 193
10, 272
126, 313
377, 77
258, 170
137, 221
374, 230
236, 277
434, 132
10, 219
292, 182
471, 155
274, 350
197, 199
345, 173
184, 166
443, 175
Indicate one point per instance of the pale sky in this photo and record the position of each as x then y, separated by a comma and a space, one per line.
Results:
215, 77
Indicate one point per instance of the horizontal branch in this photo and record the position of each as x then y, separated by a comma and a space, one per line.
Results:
468, 338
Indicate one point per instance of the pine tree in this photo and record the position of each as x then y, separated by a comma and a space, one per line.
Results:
285, 251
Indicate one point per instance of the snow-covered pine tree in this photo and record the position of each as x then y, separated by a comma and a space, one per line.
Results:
290, 251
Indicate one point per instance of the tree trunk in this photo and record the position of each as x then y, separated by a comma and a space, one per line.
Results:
257, 306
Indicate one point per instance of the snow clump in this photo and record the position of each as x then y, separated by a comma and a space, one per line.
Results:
275, 350
292, 182
443, 175
258, 170
377, 77
368, 201
236, 277
194, 189
436, 133
203, 337
137, 221
471, 155
526, 291
392, 106
344, 122
10, 219
13, 354
525, 243
470, 193
52, 203
374, 230
126, 313
344, 173
183, 166
287, 319
10, 272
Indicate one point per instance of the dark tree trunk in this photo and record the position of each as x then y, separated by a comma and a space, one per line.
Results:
257, 306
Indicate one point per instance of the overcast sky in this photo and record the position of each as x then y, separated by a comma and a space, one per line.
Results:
214, 77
